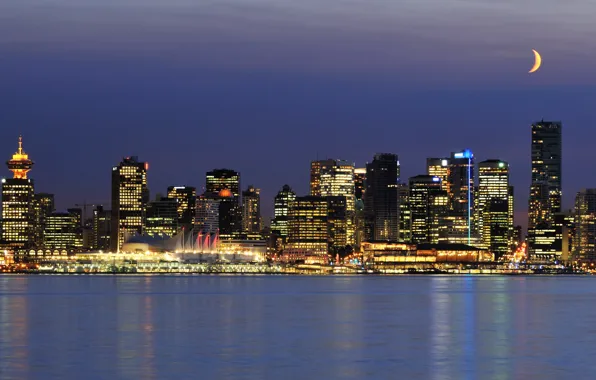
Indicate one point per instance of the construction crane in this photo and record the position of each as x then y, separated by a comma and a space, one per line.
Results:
84, 206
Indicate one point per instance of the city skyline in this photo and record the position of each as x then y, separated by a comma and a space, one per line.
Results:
418, 79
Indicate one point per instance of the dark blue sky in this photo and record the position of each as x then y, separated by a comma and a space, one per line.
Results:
264, 86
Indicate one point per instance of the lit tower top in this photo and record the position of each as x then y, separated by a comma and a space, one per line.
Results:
20, 164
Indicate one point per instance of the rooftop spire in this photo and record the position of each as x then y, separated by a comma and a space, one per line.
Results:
20, 164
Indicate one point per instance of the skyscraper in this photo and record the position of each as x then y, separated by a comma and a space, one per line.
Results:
461, 187
405, 220
307, 230
63, 232
280, 223
186, 197
130, 196
18, 215
439, 167
493, 184
220, 179
585, 225
545, 188
251, 211
42, 207
163, 216
359, 183
429, 204
335, 178
381, 208
207, 214
102, 226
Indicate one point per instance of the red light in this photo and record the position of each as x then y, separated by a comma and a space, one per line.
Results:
146, 166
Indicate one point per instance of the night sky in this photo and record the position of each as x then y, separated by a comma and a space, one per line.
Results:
265, 86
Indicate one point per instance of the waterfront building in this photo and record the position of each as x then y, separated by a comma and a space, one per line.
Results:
338, 228
230, 216
585, 225
280, 222
130, 196
163, 216
405, 217
251, 211
359, 183
493, 185
429, 204
545, 188
308, 230
43, 205
461, 188
18, 214
381, 208
63, 232
186, 197
335, 178
102, 220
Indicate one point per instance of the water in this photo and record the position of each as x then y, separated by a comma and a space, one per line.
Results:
223, 327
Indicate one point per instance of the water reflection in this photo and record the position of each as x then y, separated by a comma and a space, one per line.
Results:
296, 327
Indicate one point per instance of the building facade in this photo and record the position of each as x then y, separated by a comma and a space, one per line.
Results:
280, 225
307, 227
102, 226
163, 216
429, 204
130, 196
63, 232
381, 208
251, 211
186, 198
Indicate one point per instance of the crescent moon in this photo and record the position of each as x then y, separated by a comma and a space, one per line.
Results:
537, 62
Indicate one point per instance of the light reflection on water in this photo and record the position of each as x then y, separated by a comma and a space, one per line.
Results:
220, 327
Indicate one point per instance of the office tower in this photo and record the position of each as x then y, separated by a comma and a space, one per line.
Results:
101, 228
461, 187
564, 223
18, 214
381, 208
280, 223
493, 184
429, 204
307, 230
338, 227
439, 167
43, 205
207, 215
162, 217
495, 225
545, 188
585, 225
251, 211
512, 237
403, 195
63, 232
130, 196
221, 179
186, 196
335, 178
359, 183
230, 215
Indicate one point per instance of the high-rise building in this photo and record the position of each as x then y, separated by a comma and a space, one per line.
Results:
337, 224
223, 179
230, 215
545, 188
307, 230
359, 183
43, 206
251, 211
130, 196
63, 232
381, 208
585, 225
405, 221
280, 223
439, 167
186, 196
162, 217
18, 214
335, 178
429, 204
101, 228
493, 184
496, 226
207, 214
461, 188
